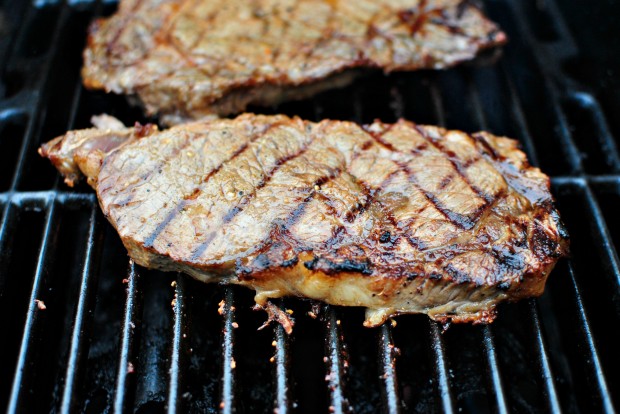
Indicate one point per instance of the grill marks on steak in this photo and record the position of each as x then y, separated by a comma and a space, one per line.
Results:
193, 58
397, 218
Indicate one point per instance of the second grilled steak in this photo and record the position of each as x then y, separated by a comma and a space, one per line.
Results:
397, 218
187, 59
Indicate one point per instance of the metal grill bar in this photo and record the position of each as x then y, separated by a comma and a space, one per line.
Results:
282, 401
38, 199
83, 316
494, 372
441, 370
545, 365
474, 98
608, 143
519, 117
334, 361
127, 340
48, 240
177, 338
228, 358
387, 357
594, 360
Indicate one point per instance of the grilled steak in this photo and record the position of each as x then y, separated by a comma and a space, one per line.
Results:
398, 218
187, 59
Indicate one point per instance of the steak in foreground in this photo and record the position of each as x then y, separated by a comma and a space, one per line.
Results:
188, 59
399, 218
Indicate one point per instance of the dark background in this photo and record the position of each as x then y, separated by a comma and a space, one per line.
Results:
596, 27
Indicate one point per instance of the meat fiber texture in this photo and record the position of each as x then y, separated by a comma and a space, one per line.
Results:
397, 218
190, 59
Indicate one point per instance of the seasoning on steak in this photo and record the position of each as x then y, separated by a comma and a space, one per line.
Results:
399, 218
187, 59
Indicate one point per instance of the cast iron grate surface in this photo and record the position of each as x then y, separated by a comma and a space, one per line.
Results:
109, 336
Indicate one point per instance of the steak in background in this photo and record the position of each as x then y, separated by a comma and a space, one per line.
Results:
398, 218
189, 59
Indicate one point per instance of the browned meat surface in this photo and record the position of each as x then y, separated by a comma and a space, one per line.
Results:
398, 218
187, 59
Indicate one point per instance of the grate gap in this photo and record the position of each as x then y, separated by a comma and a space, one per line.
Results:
594, 360
12, 131
33, 315
83, 314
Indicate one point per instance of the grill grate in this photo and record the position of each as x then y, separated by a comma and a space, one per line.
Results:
102, 345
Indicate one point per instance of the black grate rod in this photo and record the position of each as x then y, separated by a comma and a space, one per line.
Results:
519, 117
358, 108
594, 360
568, 144
83, 316
8, 224
437, 103
494, 372
441, 369
545, 364
75, 104
33, 315
227, 404
38, 199
125, 366
13, 13
588, 101
474, 98
334, 362
397, 101
387, 356
177, 342
282, 361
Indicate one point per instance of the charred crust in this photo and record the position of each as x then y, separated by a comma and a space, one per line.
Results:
141, 131
330, 267
311, 264
410, 276
507, 259
385, 237
457, 275
561, 228
435, 276
503, 286
542, 244
290, 262
487, 148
